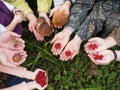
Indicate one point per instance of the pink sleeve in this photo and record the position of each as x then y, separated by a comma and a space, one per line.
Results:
21, 86
19, 71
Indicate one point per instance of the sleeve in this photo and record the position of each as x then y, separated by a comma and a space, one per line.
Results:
44, 5
78, 13
2, 29
10, 7
116, 35
58, 2
21, 4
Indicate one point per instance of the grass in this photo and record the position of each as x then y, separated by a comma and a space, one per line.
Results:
78, 74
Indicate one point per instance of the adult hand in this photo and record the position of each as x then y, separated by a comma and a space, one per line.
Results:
99, 42
42, 14
32, 23
60, 40
71, 49
108, 57
6, 57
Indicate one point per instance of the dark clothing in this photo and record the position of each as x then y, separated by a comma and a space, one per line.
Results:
79, 11
6, 16
105, 13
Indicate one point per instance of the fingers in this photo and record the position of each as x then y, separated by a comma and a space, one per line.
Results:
38, 36
14, 34
52, 12
47, 20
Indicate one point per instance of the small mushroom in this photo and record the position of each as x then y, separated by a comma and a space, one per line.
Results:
17, 58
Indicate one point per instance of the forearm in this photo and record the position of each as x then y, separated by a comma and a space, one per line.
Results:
11, 26
19, 71
21, 86
31, 17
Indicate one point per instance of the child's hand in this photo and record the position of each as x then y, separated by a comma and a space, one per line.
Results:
71, 49
107, 58
18, 15
32, 23
42, 14
60, 40
99, 44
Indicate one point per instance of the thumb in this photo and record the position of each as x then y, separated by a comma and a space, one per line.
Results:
53, 40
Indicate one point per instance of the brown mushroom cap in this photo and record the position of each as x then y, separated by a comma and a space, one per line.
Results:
43, 28
60, 18
17, 58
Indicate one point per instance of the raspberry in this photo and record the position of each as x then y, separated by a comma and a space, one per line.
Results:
68, 53
58, 45
41, 79
98, 57
93, 46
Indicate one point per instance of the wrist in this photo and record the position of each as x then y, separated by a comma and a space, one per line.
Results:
110, 42
29, 75
68, 3
118, 55
114, 54
77, 38
31, 16
67, 30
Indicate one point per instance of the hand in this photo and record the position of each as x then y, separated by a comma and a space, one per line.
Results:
8, 35
42, 14
18, 15
65, 7
40, 79
32, 23
61, 38
11, 41
33, 85
108, 57
6, 57
72, 49
99, 42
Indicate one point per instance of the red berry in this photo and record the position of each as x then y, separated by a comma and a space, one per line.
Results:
93, 46
58, 45
68, 53
41, 79
98, 57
